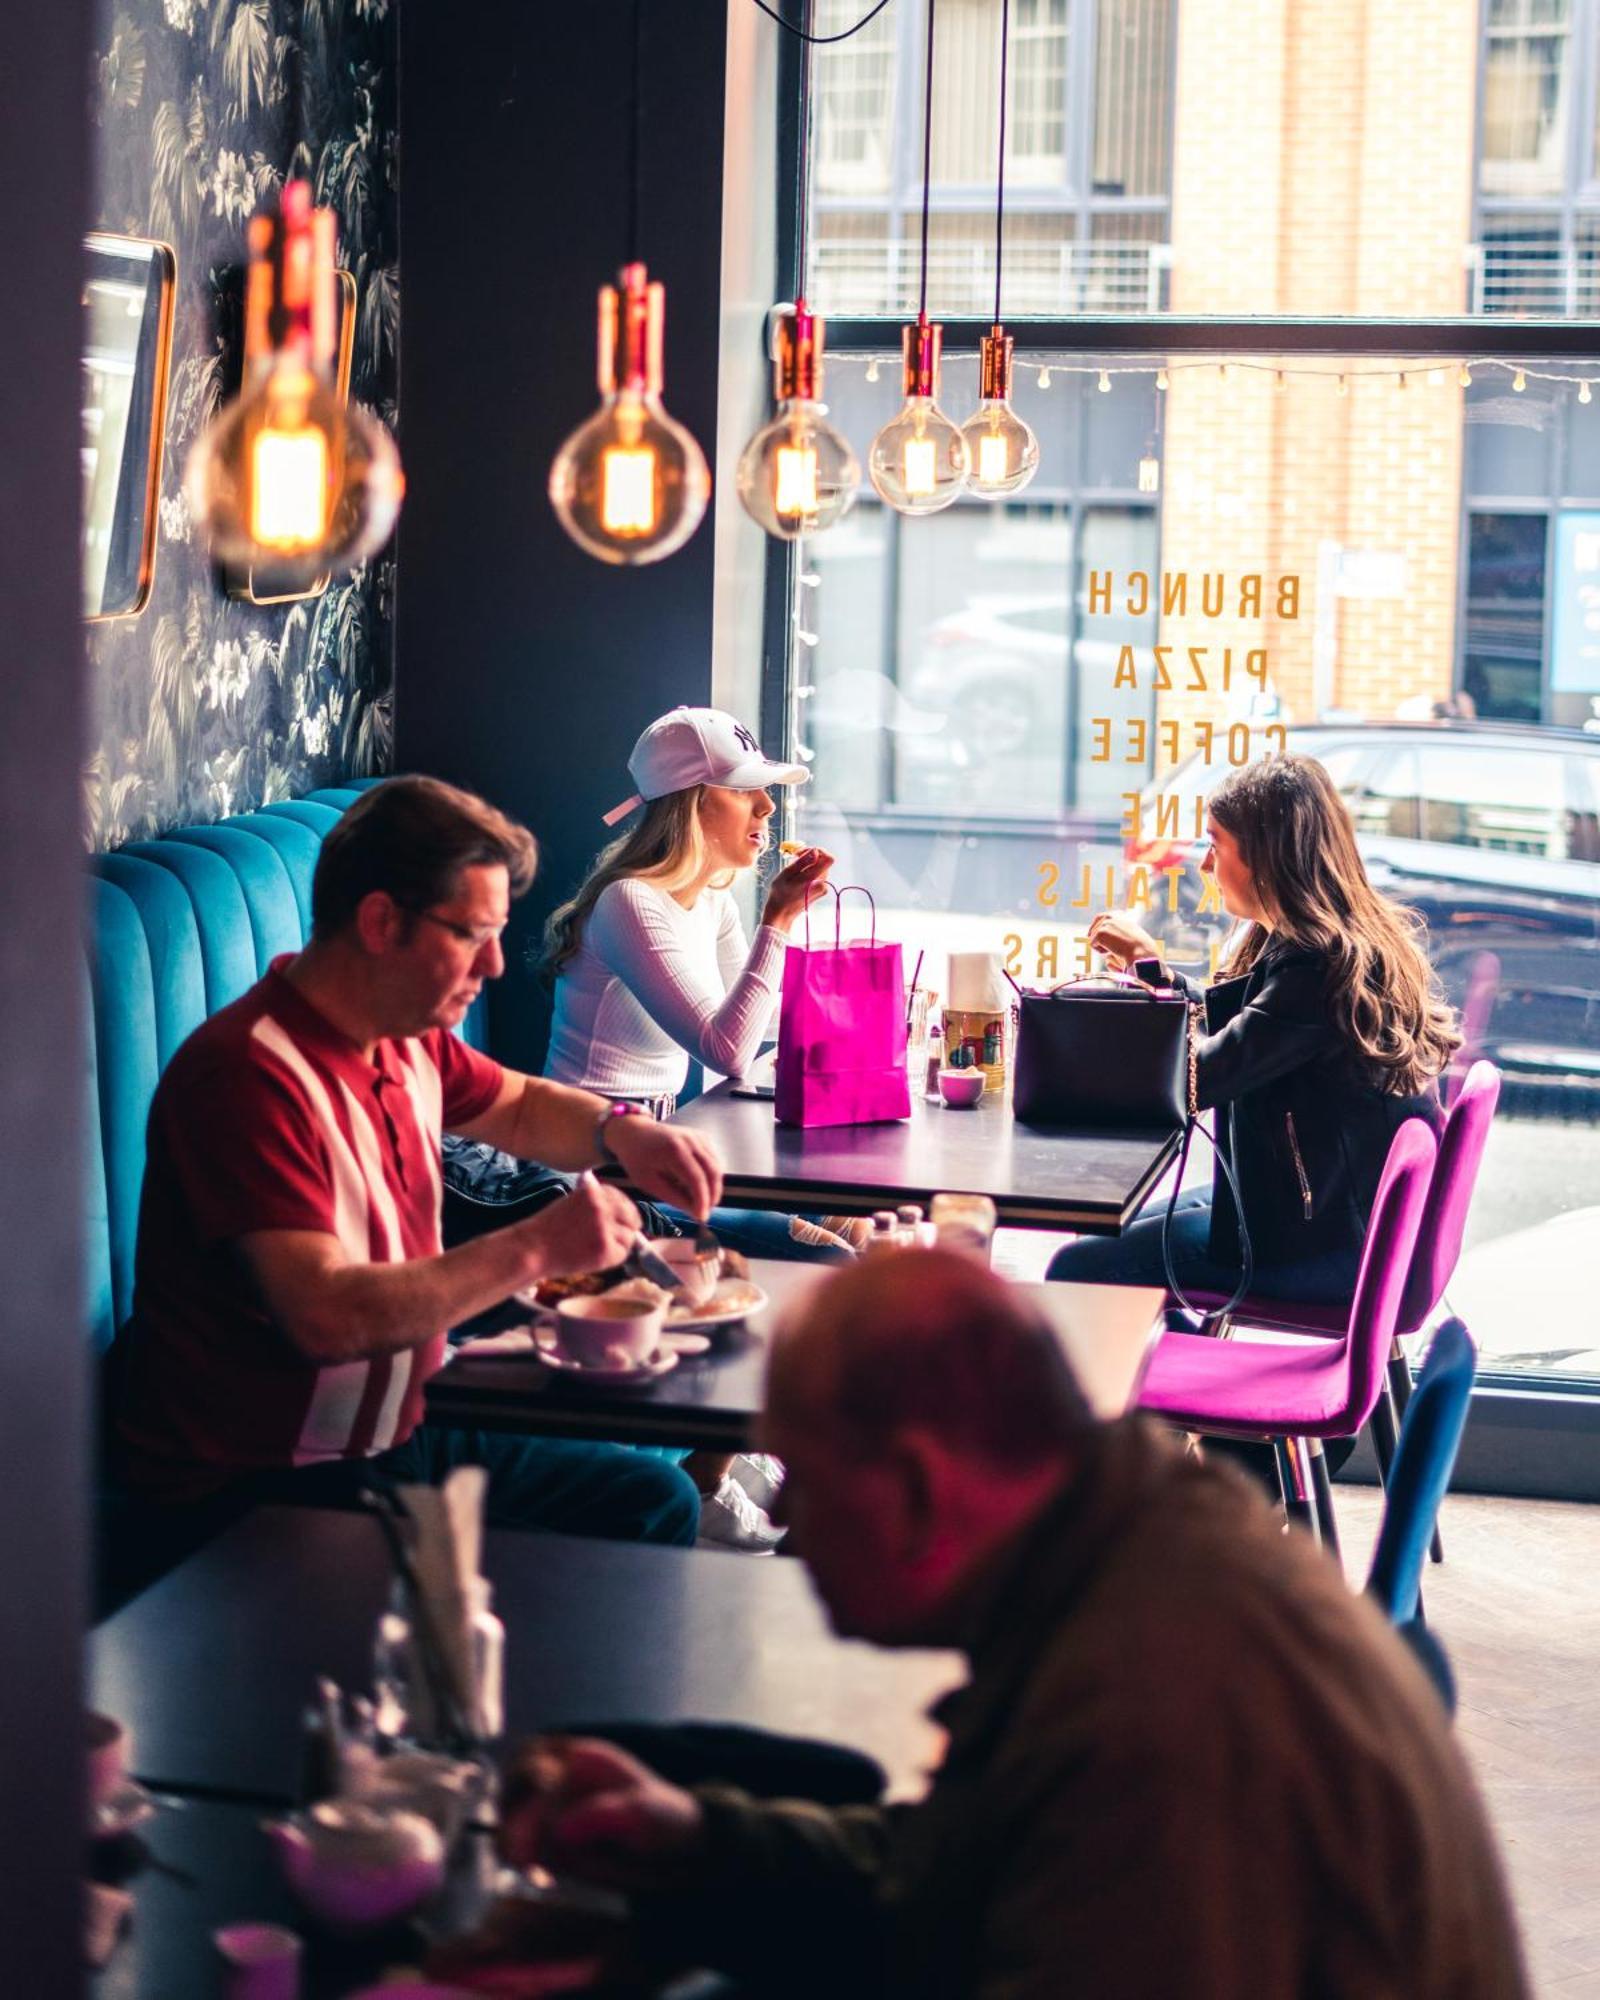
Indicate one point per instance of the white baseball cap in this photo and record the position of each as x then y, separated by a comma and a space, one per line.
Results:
700, 746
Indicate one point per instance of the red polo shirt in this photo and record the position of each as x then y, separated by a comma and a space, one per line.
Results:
269, 1118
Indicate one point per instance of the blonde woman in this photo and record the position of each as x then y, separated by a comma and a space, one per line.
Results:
652, 966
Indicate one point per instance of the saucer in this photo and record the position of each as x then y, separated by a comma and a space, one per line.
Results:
130, 1805
662, 1362
733, 1300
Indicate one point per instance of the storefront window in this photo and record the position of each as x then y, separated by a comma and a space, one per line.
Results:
1384, 553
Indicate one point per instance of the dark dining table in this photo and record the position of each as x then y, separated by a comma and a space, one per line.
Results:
714, 1401
213, 1667
1067, 1177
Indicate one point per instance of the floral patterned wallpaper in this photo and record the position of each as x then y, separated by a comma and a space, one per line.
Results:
206, 705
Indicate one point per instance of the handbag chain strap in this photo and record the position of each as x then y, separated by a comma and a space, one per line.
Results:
1213, 1315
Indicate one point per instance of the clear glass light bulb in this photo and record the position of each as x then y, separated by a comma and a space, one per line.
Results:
630, 485
919, 460
798, 475
1002, 449
288, 476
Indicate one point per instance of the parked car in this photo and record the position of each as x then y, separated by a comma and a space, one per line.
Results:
1491, 831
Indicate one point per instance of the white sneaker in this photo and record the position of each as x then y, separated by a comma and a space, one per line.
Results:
730, 1519
760, 1474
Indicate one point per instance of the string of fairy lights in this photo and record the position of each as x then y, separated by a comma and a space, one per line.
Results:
1045, 368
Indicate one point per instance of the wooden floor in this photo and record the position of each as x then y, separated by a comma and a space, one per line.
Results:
1517, 1605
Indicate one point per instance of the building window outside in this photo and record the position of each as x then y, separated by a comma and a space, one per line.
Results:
982, 697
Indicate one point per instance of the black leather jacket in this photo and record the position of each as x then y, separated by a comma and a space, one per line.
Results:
1299, 1116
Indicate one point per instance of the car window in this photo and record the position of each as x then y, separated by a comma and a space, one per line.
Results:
1510, 800
1386, 804
1342, 761
1584, 777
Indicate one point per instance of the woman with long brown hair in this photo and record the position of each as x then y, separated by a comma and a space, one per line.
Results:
1325, 1031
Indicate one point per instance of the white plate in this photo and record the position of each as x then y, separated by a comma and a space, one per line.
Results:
129, 1806
661, 1363
733, 1300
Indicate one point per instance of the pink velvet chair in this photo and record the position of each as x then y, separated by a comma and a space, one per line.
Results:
1293, 1396
1433, 1262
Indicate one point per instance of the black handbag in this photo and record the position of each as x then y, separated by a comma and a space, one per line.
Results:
1109, 1052
1100, 1052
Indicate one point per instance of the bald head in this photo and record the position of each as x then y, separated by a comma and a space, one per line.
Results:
929, 1339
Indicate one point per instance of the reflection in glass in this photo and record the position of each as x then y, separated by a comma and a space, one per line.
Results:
128, 300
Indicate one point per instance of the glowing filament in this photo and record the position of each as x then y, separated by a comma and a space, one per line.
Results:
921, 454
993, 461
288, 487
797, 480
628, 490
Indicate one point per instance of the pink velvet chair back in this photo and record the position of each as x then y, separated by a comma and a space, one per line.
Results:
1386, 1259
1444, 1220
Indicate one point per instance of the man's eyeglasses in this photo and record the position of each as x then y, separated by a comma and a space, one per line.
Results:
477, 936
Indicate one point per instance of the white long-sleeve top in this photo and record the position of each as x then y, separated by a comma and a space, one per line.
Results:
653, 983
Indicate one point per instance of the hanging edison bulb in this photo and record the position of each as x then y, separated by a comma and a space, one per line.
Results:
630, 485
797, 475
289, 476
919, 461
1003, 451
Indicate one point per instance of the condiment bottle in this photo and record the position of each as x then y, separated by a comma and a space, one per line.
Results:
885, 1225
930, 1083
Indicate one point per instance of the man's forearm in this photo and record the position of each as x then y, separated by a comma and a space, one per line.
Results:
556, 1124
790, 1889
352, 1312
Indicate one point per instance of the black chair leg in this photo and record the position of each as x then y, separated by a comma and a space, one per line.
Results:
1322, 1496
1296, 1501
1385, 1433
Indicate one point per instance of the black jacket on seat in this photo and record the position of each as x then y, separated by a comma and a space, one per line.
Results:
1299, 1114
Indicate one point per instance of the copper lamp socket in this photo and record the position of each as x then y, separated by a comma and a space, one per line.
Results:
289, 292
797, 356
994, 366
632, 313
921, 344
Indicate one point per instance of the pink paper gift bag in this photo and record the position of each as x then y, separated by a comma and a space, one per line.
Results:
842, 1031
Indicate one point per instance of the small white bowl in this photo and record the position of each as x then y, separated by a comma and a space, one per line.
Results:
599, 1331
960, 1088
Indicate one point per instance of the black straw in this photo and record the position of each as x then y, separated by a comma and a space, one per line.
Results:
927, 161
1000, 170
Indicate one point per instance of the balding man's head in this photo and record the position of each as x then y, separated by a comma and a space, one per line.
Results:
932, 1339
925, 1413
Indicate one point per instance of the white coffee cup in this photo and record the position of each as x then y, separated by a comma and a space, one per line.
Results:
598, 1331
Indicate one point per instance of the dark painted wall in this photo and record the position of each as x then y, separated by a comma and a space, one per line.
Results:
43, 1355
204, 705
525, 668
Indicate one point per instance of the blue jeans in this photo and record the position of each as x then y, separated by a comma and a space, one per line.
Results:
559, 1483
1134, 1258
756, 1232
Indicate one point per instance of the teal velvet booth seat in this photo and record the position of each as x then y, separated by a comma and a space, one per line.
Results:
180, 927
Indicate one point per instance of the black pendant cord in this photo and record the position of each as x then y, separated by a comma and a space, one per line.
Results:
927, 161
821, 41
803, 155
634, 109
1000, 169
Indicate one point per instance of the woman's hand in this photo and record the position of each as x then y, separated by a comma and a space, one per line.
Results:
1120, 938
796, 888
577, 1805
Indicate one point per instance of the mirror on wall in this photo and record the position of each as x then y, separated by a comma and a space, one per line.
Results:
129, 288
257, 585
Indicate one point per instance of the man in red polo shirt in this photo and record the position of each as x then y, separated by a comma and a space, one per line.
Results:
291, 1293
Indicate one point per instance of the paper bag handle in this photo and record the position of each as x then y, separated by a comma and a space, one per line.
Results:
838, 895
